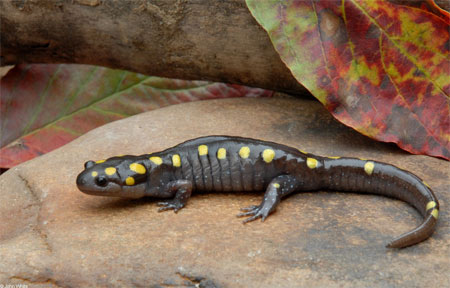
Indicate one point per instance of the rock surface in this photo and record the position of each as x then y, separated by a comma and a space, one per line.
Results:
52, 235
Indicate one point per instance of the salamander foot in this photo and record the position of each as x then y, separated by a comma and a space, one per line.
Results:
170, 205
255, 212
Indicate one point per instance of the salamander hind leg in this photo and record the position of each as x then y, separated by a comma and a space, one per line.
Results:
182, 190
278, 188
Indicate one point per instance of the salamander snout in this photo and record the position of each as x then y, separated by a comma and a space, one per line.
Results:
81, 181
84, 182
87, 183
98, 180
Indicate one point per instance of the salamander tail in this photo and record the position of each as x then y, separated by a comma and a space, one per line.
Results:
417, 235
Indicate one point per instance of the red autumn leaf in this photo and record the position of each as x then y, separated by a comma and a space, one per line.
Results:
46, 106
380, 67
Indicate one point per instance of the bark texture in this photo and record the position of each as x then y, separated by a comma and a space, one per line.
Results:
202, 39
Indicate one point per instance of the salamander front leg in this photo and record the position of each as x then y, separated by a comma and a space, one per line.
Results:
278, 187
182, 190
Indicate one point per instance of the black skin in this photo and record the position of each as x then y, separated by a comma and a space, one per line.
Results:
200, 169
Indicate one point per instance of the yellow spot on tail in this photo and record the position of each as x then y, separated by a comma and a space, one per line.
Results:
110, 171
100, 161
202, 150
157, 160
94, 174
368, 167
138, 168
176, 160
268, 155
129, 181
311, 162
276, 185
430, 205
244, 152
334, 157
221, 153
435, 213
426, 184
304, 152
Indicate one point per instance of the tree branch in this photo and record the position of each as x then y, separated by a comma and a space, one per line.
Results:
202, 39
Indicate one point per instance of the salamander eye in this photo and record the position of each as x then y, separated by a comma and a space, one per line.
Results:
101, 181
89, 164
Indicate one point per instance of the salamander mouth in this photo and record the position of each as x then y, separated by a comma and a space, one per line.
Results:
100, 192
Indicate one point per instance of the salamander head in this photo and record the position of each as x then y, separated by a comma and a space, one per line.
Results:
117, 176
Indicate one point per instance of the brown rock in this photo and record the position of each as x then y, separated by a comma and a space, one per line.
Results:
53, 235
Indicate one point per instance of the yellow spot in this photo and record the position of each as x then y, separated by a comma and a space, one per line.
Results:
368, 167
100, 161
221, 153
435, 213
311, 162
430, 205
202, 150
268, 155
359, 67
176, 160
362, 159
94, 174
138, 168
426, 184
244, 152
157, 160
110, 171
276, 185
334, 157
304, 152
129, 181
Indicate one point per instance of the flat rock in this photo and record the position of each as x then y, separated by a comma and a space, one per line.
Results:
52, 235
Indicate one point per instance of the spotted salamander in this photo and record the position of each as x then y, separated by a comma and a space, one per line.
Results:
223, 163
